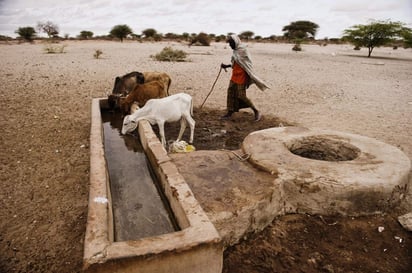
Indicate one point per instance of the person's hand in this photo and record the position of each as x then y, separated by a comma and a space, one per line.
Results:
224, 66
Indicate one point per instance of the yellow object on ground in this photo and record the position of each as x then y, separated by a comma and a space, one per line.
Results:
181, 147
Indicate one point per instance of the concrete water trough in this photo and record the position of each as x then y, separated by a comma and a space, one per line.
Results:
190, 243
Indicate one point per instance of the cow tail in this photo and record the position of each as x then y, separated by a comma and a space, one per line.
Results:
168, 86
191, 107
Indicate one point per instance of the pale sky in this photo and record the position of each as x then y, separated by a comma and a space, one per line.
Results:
263, 17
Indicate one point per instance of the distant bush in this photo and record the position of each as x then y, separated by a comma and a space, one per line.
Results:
85, 34
220, 38
97, 53
169, 54
157, 37
149, 32
121, 31
201, 39
26, 33
297, 47
54, 49
5, 38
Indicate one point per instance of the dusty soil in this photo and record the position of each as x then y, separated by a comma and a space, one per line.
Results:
212, 133
44, 155
312, 243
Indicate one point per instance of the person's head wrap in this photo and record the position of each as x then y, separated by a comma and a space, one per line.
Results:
235, 39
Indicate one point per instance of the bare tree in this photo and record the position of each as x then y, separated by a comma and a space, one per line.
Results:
51, 29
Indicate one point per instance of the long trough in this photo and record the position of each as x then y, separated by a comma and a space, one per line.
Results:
195, 247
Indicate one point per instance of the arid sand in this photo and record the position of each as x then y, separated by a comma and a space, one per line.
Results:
45, 120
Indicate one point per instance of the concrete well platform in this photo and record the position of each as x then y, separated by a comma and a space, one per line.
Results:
350, 175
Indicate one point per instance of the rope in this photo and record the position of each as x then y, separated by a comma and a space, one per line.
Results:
242, 157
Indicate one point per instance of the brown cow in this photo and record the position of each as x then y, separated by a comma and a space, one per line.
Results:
125, 84
141, 94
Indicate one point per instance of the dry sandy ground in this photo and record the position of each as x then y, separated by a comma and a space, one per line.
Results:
45, 116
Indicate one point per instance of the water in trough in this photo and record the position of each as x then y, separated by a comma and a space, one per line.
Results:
139, 206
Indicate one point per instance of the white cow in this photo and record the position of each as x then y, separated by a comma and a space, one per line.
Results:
158, 111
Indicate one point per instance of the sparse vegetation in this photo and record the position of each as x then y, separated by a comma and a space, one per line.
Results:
26, 33
121, 31
149, 32
376, 34
220, 38
85, 34
50, 48
299, 31
97, 53
200, 39
407, 38
297, 47
246, 35
169, 54
157, 37
5, 38
51, 29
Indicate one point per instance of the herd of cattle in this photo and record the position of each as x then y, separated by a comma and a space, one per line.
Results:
146, 96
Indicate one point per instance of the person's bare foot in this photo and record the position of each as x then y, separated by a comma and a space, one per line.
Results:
226, 117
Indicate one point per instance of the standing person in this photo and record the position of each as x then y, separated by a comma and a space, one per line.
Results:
242, 77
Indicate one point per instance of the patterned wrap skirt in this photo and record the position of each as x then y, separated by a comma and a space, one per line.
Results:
236, 97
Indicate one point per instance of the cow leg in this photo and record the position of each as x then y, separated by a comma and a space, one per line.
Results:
162, 133
192, 124
182, 128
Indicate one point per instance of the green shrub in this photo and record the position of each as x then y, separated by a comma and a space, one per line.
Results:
169, 54
26, 33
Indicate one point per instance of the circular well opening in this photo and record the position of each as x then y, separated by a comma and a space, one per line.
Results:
323, 148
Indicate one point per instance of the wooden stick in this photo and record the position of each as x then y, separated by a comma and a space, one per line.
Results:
210, 92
